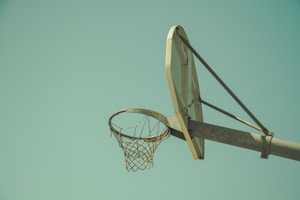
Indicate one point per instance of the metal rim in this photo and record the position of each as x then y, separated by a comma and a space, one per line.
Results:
151, 113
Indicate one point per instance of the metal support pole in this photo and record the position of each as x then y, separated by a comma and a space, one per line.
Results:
264, 144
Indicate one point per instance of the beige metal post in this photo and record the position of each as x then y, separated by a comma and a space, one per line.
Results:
264, 144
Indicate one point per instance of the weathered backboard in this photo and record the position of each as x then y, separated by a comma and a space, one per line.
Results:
184, 87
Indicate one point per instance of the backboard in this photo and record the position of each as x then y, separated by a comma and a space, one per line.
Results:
184, 87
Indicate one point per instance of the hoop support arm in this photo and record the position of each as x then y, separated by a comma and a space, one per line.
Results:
265, 144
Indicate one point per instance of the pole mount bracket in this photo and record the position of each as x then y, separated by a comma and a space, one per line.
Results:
266, 144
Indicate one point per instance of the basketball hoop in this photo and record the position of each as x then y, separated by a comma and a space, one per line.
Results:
140, 140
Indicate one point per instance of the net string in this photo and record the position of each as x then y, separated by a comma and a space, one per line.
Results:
139, 149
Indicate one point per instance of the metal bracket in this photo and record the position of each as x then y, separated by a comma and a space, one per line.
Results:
266, 143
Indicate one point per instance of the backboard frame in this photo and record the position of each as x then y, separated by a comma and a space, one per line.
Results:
184, 87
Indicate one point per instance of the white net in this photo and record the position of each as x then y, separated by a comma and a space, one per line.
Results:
140, 140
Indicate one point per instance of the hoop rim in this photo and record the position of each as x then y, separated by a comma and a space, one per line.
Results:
151, 113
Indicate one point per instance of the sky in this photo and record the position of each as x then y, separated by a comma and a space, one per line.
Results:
67, 66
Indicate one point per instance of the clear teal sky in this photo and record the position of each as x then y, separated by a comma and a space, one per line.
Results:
66, 66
